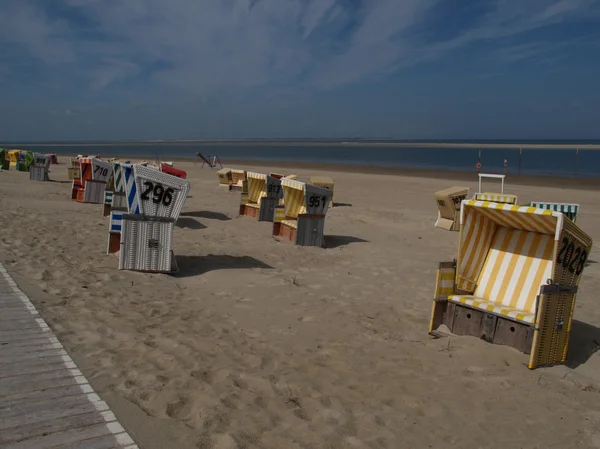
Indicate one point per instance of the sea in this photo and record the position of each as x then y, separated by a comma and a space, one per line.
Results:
543, 161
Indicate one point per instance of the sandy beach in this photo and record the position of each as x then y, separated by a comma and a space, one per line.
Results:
262, 344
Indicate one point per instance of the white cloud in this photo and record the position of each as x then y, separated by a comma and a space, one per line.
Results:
208, 46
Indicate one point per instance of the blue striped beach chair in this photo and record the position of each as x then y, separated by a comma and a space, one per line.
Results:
515, 279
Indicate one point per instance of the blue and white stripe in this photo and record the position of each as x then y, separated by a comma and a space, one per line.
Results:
116, 217
130, 189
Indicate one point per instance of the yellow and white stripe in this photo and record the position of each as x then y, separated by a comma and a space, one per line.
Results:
493, 307
496, 198
479, 223
257, 186
293, 197
279, 214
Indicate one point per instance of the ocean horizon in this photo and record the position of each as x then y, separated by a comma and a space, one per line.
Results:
563, 158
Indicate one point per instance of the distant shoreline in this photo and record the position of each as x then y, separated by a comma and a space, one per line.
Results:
449, 145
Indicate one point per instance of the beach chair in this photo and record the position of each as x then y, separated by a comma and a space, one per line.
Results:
238, 181
119, 202
323, 181
13, 158
301, 218
264, 194
448, 203
74, 171
515, 279
4, 162
38, 171
109, 192
53, 158
224, 176
166, 168
94, 175
114, 231
496, 198
154, 200
570, 210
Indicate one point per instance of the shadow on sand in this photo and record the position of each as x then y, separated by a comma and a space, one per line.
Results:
584, 343
185, 222
195, 265
206, 214
335, 241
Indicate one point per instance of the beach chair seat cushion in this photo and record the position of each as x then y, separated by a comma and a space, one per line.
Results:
493, 307
291, 223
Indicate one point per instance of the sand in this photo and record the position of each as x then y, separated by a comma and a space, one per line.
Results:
262, 344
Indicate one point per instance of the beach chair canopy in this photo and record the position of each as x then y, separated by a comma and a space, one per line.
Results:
570, 210
293, 197
257, 186
506, 253
159, 194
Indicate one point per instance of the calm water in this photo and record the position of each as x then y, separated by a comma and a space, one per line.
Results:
563, 163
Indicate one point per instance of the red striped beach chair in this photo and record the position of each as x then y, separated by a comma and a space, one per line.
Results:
515, 279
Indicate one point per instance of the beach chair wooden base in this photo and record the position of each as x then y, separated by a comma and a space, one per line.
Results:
495, 329
106, 210
306, 231
250, 210
114, 243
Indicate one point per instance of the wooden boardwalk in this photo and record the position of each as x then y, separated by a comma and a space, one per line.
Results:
45, 401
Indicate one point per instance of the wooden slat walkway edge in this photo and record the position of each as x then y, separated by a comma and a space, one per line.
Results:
45, 401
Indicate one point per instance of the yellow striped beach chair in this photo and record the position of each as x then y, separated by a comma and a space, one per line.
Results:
238, 180
515, 279
264, 194
301, 218
496, 198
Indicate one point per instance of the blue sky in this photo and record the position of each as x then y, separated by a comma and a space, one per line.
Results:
185, 69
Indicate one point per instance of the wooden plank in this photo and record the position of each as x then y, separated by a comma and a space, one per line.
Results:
53, 413
467, 321
21, 433
513, 334
77, 435
25, 408
20, 409
27, 386
7, 351
31, 342
488, 327
9, 384
17, 325
7, 359
106, 442
19, 369
37, 396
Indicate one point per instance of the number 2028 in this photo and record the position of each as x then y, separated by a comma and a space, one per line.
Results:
571, 258
159, 193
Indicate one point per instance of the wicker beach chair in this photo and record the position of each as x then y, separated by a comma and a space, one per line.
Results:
264, 194
515, 279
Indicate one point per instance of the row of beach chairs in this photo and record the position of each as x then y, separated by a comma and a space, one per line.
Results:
143, 202
515, 277
296, 209
36, 164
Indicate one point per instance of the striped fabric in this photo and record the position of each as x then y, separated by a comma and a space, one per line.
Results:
115, 221
479, 223
130, 188
108, 196
85, 164
293, 197
279, 214
119, 186
569, 209
493, 307
496, 198
445, 282
290, 223
257, 186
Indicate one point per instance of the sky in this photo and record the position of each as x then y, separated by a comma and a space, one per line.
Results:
200, 69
